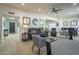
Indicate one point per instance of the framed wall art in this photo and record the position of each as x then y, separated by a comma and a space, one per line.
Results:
26, 21
35, 21
41, 21
57, 24
65, 23
73, 23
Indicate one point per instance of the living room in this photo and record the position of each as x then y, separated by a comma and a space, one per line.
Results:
55, 25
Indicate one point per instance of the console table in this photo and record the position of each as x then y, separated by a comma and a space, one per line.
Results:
48, 44
24, 36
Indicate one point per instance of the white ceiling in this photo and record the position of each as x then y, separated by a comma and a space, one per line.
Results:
68, 8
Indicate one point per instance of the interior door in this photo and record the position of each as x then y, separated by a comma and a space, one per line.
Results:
12, 27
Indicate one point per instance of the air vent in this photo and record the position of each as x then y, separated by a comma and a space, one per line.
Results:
11, 12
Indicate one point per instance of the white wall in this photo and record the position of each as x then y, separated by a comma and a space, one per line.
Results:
0, 28
20, 13
69, 19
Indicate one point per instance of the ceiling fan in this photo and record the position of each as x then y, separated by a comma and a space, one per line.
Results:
54, 10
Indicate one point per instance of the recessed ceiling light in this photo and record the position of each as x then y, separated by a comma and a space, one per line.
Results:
22, 3
39, 9
11, 12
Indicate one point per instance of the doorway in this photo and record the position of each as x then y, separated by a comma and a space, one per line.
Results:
12, 27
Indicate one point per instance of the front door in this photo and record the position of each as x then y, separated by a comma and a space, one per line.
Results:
12, 27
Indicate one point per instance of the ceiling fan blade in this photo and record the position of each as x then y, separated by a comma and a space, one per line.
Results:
59, 9
56, 12
53, 9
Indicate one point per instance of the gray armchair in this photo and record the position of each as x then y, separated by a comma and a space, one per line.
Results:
38, 42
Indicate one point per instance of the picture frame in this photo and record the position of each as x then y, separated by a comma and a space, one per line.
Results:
73, 23
26, 20
35, 21
41, 21
65, 23
57, 24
